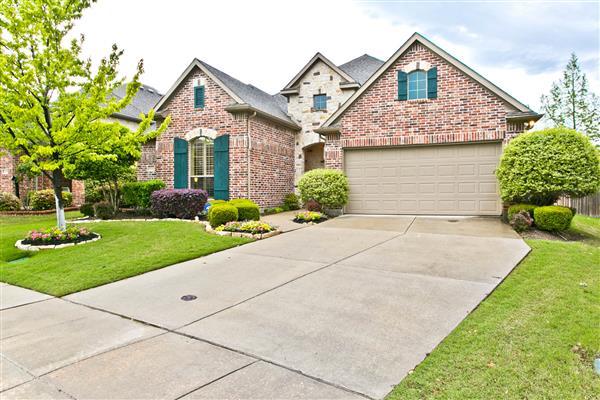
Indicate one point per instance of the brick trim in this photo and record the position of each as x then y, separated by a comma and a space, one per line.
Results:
477, 136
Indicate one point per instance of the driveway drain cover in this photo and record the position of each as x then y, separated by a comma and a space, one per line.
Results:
452, 220
188, 297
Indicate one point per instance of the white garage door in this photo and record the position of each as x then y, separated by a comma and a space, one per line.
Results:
442, 179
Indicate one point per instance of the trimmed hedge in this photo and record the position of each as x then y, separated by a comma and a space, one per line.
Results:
44, 199
553, 218
178, 203
137, 194
539, 167
516, 208
104, 210
220, 214
9, 202
247, 209
329, 187
87, 209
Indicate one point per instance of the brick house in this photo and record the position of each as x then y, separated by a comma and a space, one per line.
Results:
13, 182
420, 133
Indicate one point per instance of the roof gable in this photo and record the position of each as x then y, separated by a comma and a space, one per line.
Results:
416, 37
317, 57
361, 68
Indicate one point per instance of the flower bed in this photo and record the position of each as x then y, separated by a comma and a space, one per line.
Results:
250, 229
55, 237
308, 217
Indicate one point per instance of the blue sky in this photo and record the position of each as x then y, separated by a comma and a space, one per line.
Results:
521, 46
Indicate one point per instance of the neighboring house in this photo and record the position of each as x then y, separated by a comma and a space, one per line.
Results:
11, 181
420, 133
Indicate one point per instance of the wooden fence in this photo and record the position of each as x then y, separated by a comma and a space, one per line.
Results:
589, 205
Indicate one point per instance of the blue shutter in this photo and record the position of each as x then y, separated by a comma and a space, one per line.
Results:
402, 85
221, 149
199, 97
180, 171
432, 83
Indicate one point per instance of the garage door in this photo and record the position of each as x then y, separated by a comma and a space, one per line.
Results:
442, 179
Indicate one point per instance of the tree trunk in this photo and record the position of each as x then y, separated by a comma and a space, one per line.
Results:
60, 206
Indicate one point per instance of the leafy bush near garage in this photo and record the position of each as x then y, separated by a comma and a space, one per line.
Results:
44, 199
328, 187
553, 218
247, 209
521, 221
178, 203
9, 202
291, 202
87, 209
517, 208
221, 214
137, 194
104, 210
539, 167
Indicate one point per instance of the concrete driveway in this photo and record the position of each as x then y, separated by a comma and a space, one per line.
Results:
344, 309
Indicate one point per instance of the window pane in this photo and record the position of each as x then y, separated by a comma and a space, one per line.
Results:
417, 83
320, 101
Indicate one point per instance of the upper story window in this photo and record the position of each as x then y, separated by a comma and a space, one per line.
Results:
320, 102
199, 97
417, 85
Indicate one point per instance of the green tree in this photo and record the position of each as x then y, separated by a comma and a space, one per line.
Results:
571, 104
53, 105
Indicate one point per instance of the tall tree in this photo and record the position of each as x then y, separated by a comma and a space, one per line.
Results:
571, 104
53, 105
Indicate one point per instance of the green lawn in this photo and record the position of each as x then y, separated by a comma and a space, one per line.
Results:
126, 249
535, 337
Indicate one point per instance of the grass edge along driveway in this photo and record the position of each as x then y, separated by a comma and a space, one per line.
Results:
127, 248
534, 337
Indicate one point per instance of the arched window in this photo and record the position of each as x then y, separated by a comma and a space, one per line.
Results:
417, 84
202, 166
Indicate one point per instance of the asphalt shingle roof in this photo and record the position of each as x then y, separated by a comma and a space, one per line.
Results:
144, 100
361, 68
251, 95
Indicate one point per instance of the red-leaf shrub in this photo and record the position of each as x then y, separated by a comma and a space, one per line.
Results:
178, 203
313, 205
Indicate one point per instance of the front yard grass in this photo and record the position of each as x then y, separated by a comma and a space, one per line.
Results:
535, 337
127, 248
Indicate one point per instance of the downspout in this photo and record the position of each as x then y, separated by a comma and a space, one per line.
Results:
248, 149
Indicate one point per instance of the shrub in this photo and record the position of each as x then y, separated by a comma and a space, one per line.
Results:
104, 210
521, 221
137, 194
517, 208
93, 193
44, 199
87, 209
539, 167
247, 209
313, 205
291, 202
9, 202
178, 203
552, 218
273, 210
221, 214
329, 187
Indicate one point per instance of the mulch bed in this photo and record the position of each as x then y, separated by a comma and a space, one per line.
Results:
31, 212
302, 221
54, 242
534, 233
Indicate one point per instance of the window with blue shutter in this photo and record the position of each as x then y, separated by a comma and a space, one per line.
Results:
199, 97
417, 85
402, 86
432, 83
320, 102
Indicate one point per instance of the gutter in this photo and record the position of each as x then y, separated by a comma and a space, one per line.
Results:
235, 108
248, 150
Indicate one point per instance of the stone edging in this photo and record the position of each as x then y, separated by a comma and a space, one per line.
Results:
256, 236
31, 247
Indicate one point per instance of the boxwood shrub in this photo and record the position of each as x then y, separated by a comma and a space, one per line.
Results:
516, 208
9, 202
220, 214
247, 209
178, 203
104, 210
552, 218
44, 199
329, 187
137, 194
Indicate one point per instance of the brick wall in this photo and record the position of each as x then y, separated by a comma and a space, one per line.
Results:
463, 111
271, 164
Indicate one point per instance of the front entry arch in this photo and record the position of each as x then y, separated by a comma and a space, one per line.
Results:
314, 156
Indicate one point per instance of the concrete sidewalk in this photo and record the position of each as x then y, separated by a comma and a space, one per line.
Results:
343, 309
